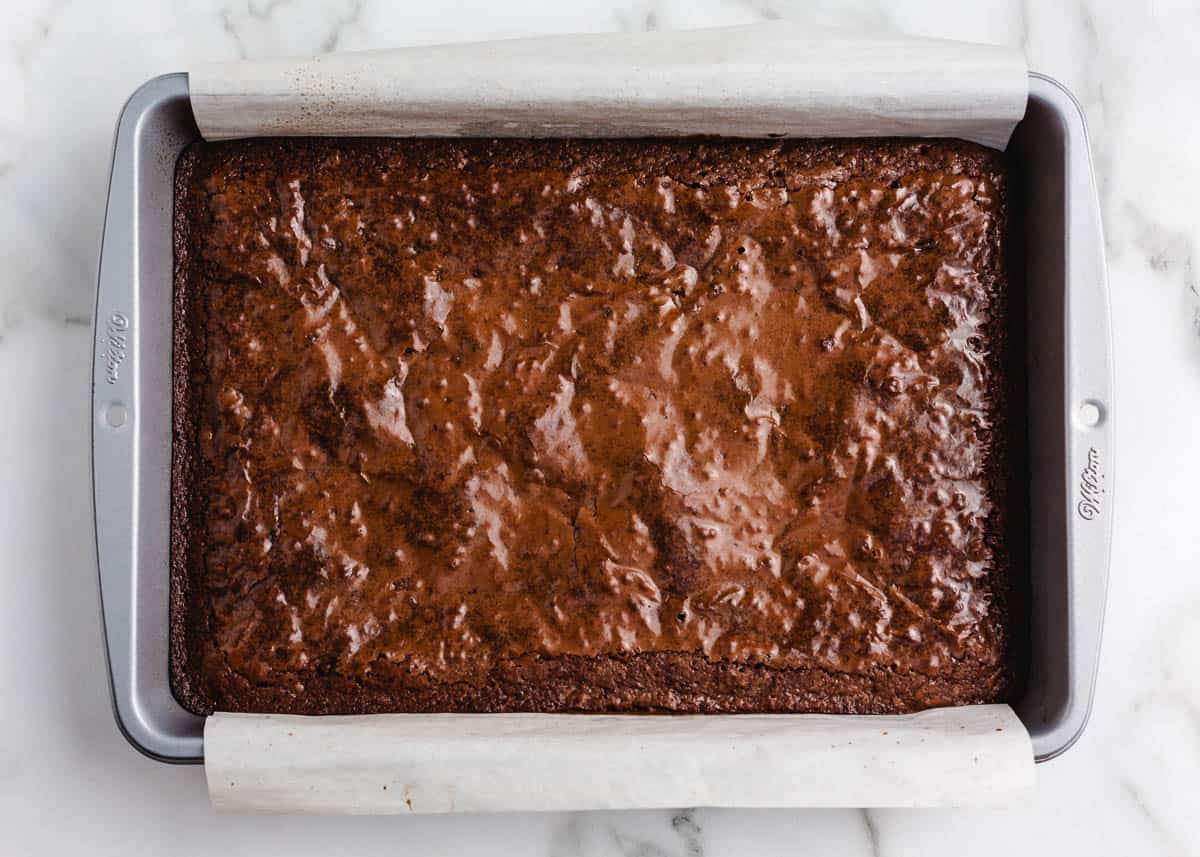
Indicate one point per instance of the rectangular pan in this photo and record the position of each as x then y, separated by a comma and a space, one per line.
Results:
1069, 411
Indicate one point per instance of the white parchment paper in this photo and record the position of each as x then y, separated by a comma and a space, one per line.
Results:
776, 78
407, 763
770, 79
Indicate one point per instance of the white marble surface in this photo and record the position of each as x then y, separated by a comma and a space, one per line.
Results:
70, 784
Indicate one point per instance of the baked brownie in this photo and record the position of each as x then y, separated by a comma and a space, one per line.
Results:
688, 426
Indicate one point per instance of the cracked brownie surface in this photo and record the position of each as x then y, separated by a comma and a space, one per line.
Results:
701, 426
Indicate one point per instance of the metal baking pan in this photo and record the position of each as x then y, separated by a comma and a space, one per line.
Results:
1069, 411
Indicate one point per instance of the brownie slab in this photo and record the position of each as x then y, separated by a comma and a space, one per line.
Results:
680, 426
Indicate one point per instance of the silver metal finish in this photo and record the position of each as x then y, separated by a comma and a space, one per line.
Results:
1070, 411
131, 461
1070, 408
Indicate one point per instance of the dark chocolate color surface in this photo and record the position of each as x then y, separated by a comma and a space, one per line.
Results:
601, 426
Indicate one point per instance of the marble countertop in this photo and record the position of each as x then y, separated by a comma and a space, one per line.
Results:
70, 783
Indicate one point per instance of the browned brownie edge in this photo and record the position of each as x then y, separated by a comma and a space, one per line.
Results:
187, 346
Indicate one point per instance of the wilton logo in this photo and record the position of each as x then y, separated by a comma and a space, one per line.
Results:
1091, 486
116, 340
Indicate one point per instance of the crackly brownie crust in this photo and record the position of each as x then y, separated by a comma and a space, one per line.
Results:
694, 426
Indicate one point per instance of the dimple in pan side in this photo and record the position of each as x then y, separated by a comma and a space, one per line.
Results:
1069, 407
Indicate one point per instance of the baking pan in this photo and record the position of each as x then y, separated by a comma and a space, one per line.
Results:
1069, 410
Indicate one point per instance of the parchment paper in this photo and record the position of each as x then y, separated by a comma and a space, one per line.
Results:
401, 763
770, 79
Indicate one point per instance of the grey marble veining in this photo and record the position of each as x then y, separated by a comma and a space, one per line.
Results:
68, 782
